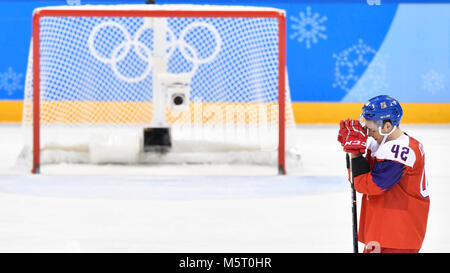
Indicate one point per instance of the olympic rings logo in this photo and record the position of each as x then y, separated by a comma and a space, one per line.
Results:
131, 42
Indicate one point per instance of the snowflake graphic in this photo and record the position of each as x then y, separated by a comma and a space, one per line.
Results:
433, 81
308, 27
374, 80
350, 63
10, 81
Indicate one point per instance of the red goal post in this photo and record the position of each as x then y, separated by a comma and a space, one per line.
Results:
55, 12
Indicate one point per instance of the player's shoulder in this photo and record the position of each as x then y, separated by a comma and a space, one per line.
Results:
416, 145
402, 150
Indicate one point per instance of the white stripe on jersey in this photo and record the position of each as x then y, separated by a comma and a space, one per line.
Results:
396, 150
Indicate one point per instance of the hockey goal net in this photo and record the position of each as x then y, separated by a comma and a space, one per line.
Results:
215, 75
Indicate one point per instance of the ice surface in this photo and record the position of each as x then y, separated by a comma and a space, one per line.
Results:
206, 208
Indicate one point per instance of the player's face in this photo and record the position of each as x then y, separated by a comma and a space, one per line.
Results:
373, 131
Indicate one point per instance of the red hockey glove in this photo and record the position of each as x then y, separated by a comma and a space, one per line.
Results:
353, 136
344, 132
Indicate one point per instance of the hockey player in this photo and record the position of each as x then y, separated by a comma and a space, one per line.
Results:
391, 177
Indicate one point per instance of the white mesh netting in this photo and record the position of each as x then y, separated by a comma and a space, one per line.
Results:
100, 78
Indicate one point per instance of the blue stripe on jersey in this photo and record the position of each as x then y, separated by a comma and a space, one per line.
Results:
387, 173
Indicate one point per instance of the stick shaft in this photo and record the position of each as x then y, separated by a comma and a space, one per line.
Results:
354, 211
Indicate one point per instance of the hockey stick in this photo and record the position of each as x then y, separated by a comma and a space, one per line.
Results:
354, 211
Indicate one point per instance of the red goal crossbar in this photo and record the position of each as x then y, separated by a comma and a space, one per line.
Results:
159, 13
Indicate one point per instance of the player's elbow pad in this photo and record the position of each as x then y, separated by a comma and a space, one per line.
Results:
360, 166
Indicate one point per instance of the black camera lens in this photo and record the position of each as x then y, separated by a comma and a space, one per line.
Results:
178, 100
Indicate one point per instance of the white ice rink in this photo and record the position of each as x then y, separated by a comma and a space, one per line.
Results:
74, 208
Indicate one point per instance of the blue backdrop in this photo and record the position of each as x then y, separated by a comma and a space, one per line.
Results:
336, 50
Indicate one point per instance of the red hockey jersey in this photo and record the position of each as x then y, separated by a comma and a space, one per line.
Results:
395, 202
